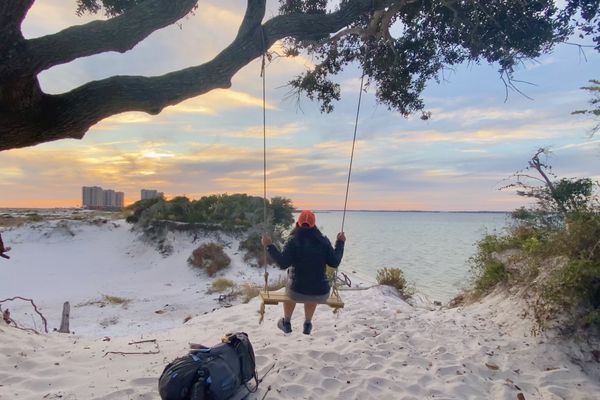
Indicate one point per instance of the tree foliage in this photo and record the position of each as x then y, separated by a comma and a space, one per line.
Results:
399, 44
551, 253
556, 199
594, 110
235, 211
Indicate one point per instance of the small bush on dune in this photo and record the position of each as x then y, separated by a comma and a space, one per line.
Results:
251, 291
220, 285
575, 290
211, 257
492, 273
254, 250
394, 277
487, 271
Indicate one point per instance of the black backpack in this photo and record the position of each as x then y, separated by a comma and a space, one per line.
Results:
214, 373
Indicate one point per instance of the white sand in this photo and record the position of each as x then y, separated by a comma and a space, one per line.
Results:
378, 347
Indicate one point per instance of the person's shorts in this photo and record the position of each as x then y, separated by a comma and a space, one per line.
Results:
305, 298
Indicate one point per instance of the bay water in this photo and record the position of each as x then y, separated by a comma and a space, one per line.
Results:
431, 248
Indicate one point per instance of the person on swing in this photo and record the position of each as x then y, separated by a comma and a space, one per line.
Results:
307, 254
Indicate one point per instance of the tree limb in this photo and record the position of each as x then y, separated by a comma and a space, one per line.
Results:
120, 33
255, 12
536, 164
71, 114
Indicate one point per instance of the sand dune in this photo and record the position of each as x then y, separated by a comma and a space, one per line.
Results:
379, 347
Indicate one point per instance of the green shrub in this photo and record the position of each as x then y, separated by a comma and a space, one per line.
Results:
394, 277
581, 238
210, 257
575, 290
220, 285
492, 273
254, 251
487, 271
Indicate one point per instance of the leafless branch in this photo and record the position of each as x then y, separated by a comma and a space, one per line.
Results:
45, 322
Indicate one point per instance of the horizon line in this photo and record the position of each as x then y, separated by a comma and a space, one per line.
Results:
298, 210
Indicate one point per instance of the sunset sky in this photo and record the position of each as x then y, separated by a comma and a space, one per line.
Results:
213, 143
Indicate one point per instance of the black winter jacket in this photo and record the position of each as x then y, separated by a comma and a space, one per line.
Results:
308, 252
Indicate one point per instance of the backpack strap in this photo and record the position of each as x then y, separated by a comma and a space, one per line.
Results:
234, 341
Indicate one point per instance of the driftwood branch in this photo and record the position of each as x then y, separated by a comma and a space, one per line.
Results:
143, 341
124, 353
44, 321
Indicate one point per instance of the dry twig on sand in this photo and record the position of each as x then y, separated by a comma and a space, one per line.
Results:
124, 353
44, 321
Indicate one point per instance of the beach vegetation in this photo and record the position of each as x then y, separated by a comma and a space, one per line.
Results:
394, 277
551, 252
233, 212
254, 252
115, 300
399, 45
209, 257
594, 103
249, 291
106, 300
220, 285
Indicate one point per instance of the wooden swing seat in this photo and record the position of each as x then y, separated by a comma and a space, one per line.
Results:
279, 296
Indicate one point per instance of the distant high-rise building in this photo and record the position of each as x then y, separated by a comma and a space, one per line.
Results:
93, 196
151, 194
109, 198
120, 199
96, 197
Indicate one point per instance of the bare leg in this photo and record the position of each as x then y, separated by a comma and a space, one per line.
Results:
288, 309
309, 310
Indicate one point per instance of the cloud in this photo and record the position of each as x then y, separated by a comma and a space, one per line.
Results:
8, 174
474, 115
217, 101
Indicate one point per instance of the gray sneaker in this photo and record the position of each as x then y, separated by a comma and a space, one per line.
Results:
307, 327
285, 326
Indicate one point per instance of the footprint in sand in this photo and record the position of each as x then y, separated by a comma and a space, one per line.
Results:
331, 384
329, 372
330, 357
294, 391
144, 381
118, 395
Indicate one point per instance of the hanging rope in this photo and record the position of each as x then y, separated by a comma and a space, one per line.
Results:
362, 79
264, 105
334, 287
346, 280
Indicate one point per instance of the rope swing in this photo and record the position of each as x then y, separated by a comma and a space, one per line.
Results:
275, 297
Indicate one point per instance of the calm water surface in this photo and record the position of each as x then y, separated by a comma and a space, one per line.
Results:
431, 248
